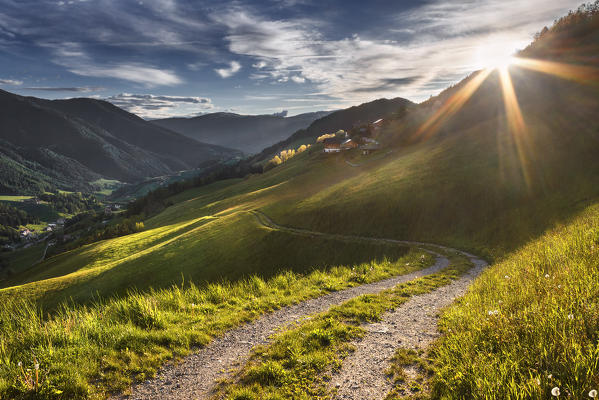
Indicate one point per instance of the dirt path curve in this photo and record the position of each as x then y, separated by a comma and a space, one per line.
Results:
412, 325
196, 376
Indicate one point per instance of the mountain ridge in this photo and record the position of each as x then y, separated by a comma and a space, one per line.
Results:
94, 138
223, 128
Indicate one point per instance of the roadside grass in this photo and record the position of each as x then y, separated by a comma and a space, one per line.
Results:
230, 247
299, 361
529, 323
88, 351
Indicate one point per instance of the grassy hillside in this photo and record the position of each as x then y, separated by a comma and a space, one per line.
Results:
530, 323
489, 165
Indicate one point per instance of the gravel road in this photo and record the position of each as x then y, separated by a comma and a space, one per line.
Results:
413, 325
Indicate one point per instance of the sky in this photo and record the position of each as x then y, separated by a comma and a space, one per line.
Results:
163, 58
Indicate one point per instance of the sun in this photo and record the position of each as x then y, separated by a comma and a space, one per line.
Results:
498, 53
501, 63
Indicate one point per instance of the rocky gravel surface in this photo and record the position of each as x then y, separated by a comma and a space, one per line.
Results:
413, 325
196, 376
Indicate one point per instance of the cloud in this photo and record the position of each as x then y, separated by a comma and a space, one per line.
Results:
76, 60
234, 67
83, 89
12, 82
298, 79
148, 76
394, 84
161, 106
413, 57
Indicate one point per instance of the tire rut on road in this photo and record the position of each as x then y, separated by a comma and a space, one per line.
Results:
412, 325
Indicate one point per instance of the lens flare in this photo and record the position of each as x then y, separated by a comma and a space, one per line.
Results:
516, 124
578, 73
452, 105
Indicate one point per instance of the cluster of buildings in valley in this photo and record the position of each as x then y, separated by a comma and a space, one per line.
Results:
361, 138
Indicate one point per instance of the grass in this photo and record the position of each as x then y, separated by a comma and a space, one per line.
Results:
413, 385
299, 361
20, 261
87, 351
529, 323
199, 251
14, 198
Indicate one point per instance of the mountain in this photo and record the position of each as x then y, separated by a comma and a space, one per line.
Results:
248, 133
342, 119
68, 143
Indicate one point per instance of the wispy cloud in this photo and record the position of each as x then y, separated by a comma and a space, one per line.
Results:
234, 67
148, 76
12, 82
82, 89
161, 106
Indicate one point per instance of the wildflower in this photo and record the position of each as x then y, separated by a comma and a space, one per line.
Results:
593, 394
507, 277
37, 366
538, 381
555, 391
493, 312
570, 316
546, 275
559, 286
20, 364
549, 376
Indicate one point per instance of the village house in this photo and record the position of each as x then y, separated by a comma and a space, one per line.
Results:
332, 145
348, 144
370, 146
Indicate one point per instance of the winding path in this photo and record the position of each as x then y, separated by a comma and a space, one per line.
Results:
197, 375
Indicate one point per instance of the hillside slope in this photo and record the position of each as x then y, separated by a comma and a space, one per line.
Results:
67, 143
247, 133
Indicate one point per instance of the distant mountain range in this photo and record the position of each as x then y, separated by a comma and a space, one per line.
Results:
248, 133
66, 144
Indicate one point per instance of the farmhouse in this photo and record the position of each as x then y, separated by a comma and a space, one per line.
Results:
333, 145
348, 144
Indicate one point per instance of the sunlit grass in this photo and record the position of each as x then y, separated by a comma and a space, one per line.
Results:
84, 351
529, 324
